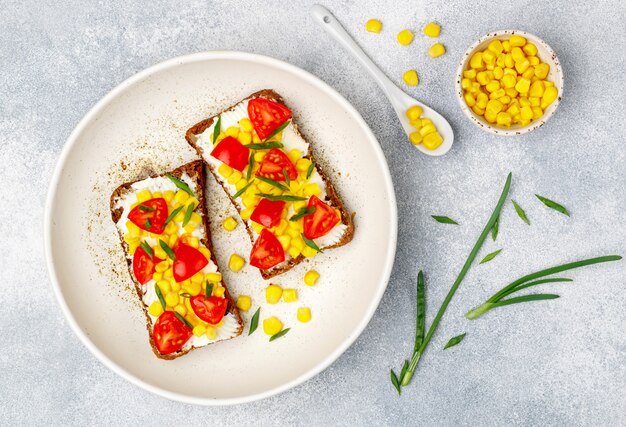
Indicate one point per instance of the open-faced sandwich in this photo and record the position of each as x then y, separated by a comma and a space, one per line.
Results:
267, 168
162, 222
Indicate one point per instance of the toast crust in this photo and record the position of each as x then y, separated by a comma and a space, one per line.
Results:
331, 194
195, 170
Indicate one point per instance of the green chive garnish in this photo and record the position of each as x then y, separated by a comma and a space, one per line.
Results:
188, 213
185, 295
182, 319
172, 215
302, 213
264, 145
454, 341
250, 166
254, 323
444, 219
553, 205
240, 192
490, 256
145, 208
285, 198
520, 212
272, 182
146, 247
309, 171
167, 249
147, 224
311, 244
277, 130
280, 334
217, 129
180, 184
286, 175
208, 290
160, 296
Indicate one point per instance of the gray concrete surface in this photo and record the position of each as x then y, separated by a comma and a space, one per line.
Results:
561, 362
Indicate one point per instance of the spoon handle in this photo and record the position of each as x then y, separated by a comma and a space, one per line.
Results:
328, 21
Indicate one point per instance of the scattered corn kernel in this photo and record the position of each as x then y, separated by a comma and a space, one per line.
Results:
273, 293
436, 50
304, 314
410, 78
311, 277
229, 223
199, 330
374, 26
432, 29
290, 295
155, 309
236, 263
211, 332
244, 302
272, 326
405, 37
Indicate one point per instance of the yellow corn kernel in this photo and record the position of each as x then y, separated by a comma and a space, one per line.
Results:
229, 223
225, 170
294, 252
414, 112
517, 54
303, 165
529, 73
498, 73
469, 99
255, 138
290, 295
436, 50
193, 242
490, 117
171, 299
219, 291
245, 138
246, 214
294, 233
549, 96
244, 302
181, 309
273, 293
133, 230
511, 92
405, 37
250, 201
496, 47
500, 93
517, 40
272, 326
304, 314
132, 240
234, 177
236, 263
470, 74
258, 156
157, 277
478, 110
282, 226
526, 112
199, 330
432, 140
537, 112
181, 197
294, 155
534, 60
168, 195
416, 137
410, 78
493, 107
466, 83
500, 60
164, 286
213, 278
432, 29
143, 195
232, 131
417, 123
194, 288
312, 189
513, 110
374, 26
169, 274
529, 48
522, 66
509, 62
481, 100
523, 85
475, 87
492, 86
508, 81
310, 278
427, 129
162, 266
284, 240
489, 57
211, 332
506, 45
257, 227
246, 124
547, 83
536, 89
155, 309
524, 102
476, 61
503, 119
309, 252
197, 278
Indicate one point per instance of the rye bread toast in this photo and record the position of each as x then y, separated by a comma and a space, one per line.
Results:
331, 198
195, 171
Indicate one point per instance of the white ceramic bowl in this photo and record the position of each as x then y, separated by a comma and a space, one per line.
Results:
544, 52
138, 129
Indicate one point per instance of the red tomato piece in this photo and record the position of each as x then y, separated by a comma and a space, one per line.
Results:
232, 152
170, 334
267, 251
266, 116
188, 262
210, 309
150, 215
268, 213
143, 266
321, 221
273, 164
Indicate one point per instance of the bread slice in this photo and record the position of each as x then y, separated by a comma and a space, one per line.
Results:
122, 200
198, 136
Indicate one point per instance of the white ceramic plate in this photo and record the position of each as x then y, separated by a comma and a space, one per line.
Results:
138, 129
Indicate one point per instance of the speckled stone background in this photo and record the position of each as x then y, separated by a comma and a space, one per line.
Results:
560, 362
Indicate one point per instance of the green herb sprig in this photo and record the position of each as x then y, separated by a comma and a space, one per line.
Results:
188, 213
277, 130
273, 183
208, 290
147, 249
553, 205
180, 184
286, 198
217, 129
494, 229
286, 175
444, 219
167, 249
264, 145
520, 212
145, 208
455, 341
148, 224
182, 319
279, 334
254, 323
160, 296
173, 214
311, 244
250, 166
302, 213
310, 170
497, 300
490, 256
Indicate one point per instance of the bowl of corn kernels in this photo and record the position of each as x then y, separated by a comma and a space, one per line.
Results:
509, 82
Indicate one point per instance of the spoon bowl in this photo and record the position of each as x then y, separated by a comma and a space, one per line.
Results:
396, 96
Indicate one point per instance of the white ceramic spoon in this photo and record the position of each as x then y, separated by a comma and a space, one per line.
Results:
399, 100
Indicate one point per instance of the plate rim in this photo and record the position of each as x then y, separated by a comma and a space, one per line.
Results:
119, 90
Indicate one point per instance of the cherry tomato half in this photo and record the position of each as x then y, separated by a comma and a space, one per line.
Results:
150, 215
273, 164
188, 262
268, 213
210, 309
266, 116
170, 334
267, 251
321, 221
232, 152
143, 266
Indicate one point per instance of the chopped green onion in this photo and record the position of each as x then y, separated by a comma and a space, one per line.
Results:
280, 334
148, 224
208, 291
444, 219
455, 340
240, 192
188, 213
490, 256
250, 166
173, 214
285, 198
254, 323
311, 244
264, 145
146, 247
553, 205
145, 208
217, 129
309, 171
160, 296
277, 130
286, 175
302, 213
272, 182
520, 212
182, 319
180, 184
167, 250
